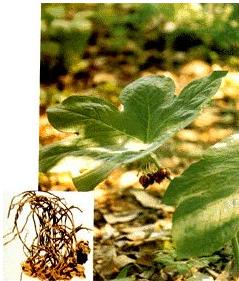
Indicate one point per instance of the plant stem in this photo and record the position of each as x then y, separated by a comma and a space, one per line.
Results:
235, 248
155, 159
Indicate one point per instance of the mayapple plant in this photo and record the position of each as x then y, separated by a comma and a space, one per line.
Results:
151, 115
206, 195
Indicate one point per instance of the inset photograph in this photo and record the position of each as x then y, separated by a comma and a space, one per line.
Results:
48, 236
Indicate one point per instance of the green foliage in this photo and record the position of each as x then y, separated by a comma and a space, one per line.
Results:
64, 35
131, 278
122, 276
211, 32
124, 24
151, 115
169, 260
212, 23
207, 199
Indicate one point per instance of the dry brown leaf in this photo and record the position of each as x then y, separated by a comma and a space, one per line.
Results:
122, 260
144, 228
145, 199
104, 255
121, 217
107, 232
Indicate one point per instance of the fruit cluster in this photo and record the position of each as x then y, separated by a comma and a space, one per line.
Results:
158, 177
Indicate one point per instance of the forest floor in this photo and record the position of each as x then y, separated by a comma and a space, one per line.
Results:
132, 234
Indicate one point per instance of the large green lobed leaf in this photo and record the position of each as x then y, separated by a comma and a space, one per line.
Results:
151, 114
207, 199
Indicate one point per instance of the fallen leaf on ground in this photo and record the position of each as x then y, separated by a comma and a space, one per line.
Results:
122, 260
121, 217
145, 199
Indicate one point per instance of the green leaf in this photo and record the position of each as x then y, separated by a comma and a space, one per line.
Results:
130, 278
169, 259
123, 273
207, 200
151, 115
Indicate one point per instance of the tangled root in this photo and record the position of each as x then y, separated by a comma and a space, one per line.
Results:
54, 253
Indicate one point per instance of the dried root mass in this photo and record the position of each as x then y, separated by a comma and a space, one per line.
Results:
54, 253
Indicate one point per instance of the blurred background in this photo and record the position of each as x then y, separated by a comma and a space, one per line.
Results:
105, 46
97, 49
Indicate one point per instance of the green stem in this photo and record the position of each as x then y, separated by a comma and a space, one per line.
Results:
235, 248
155, 159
